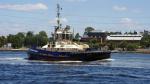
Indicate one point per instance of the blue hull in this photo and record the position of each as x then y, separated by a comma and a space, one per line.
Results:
38, 54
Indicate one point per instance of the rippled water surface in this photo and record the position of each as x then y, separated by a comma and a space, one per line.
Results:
121, 68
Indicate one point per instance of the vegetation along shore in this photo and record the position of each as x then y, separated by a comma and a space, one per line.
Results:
96, 39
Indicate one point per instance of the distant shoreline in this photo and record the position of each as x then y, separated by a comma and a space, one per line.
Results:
8, 49
144, 51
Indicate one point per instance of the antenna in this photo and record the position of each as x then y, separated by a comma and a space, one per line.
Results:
58, 22
58, 27
73, 35
58, 16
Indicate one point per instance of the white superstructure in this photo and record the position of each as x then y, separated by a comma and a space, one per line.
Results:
63, 38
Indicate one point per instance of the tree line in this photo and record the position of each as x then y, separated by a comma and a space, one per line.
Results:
22, 39
40, 39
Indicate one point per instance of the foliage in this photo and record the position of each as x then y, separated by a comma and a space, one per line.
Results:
123, 45
29, 39
111, 45
77, 36
132, 47
25, 39
15, 40
145, 42
21, 37
93, 43
41, 38
131, 33
88, 29
2, 41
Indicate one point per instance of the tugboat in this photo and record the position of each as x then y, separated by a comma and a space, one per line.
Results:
64, 49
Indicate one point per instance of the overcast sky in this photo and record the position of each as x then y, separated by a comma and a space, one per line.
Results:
109, 15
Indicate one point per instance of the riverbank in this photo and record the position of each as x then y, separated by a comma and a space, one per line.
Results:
10, 49
144, 51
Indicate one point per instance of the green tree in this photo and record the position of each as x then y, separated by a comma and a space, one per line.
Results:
111, 45
89, 29
15, 40
21, 37
43, 33
10, 39
2, 41
93, 43
41, 38
123, 45
132, 47
77, 36
145, 41
29, 39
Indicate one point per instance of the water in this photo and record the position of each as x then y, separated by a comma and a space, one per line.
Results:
122, 68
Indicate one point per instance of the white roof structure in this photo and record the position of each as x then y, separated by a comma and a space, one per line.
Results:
124, 37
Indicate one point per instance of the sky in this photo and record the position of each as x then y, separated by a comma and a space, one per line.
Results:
105, 15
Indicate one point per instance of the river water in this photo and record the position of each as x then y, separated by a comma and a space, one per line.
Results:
121, 68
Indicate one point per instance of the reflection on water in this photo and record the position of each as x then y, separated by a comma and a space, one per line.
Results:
121, 68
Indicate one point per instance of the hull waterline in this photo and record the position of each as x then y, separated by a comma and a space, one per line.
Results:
37, 54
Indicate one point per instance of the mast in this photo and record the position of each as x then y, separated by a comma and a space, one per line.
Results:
58, 16
58, 26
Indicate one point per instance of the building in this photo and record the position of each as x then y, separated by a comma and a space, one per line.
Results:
117, 41
125, 37
103, 36
96, 34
